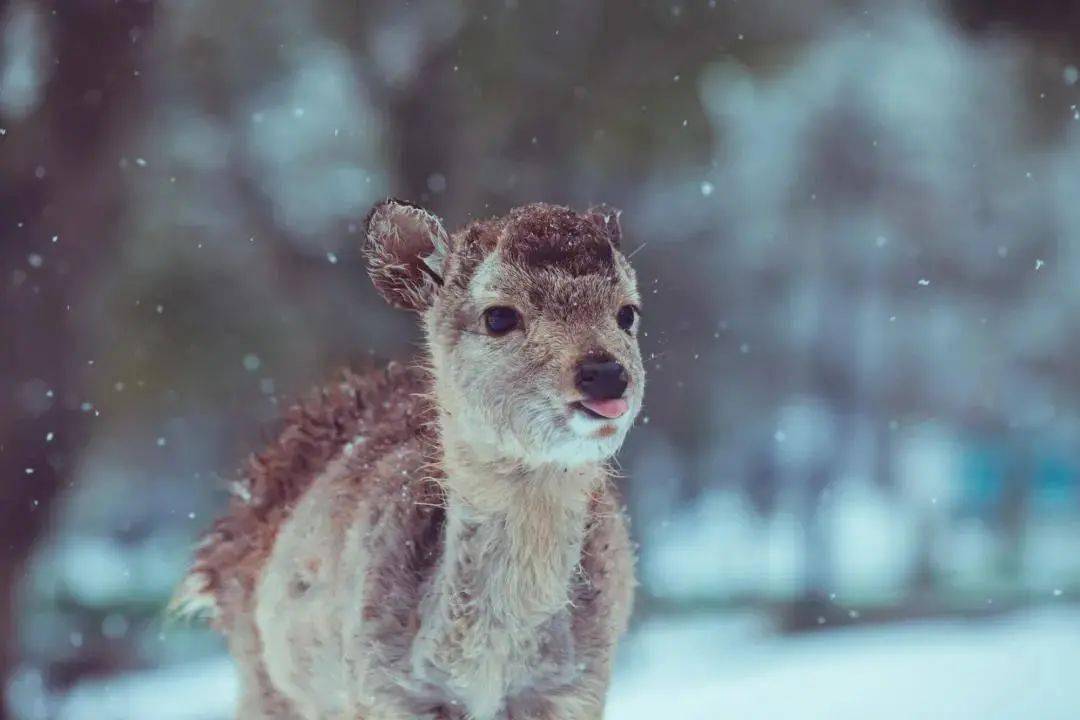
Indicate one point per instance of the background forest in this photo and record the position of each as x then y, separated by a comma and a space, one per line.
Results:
856, 225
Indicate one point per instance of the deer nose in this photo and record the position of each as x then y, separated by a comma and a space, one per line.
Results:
602, 379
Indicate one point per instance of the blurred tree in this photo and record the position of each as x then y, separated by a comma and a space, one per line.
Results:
60, 196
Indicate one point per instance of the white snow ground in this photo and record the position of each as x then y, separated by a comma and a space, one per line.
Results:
1019, 667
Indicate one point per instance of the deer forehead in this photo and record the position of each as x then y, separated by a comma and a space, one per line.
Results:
550, 289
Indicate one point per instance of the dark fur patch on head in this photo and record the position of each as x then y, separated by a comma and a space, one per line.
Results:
550, 236
538, 236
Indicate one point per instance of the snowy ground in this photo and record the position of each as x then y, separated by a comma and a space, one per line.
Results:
1019, 667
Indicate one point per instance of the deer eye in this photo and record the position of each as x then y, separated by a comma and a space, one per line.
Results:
500, 320
626, 316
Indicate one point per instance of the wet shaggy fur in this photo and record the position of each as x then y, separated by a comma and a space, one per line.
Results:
442, 542
374, 413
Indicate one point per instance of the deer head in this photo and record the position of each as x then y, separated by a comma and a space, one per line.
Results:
531, 322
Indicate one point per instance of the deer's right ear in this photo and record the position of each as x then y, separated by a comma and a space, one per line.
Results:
405, 249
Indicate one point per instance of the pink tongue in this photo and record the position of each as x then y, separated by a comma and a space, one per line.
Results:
607, 408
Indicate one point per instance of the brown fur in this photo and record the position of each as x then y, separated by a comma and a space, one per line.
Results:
389, 406
444, 543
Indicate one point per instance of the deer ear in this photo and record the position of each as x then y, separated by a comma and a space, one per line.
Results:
607, 218
405, 249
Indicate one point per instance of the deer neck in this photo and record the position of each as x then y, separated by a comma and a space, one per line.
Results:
513, 538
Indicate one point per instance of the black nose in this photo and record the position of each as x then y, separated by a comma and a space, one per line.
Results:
602, 379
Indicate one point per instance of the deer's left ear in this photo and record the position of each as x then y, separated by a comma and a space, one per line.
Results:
607, 218
405, 249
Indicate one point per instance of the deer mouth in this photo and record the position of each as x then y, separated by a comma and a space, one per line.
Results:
602, 409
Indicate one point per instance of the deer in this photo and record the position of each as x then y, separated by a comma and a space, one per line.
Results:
442, 539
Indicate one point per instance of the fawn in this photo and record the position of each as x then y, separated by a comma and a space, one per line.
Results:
443, 541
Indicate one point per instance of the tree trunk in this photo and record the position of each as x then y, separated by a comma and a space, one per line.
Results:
59, 170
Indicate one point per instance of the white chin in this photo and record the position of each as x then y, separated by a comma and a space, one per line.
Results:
590, 439
583, 440
587, 427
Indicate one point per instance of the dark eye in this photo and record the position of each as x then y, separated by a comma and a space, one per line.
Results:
500, 320
626, 316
